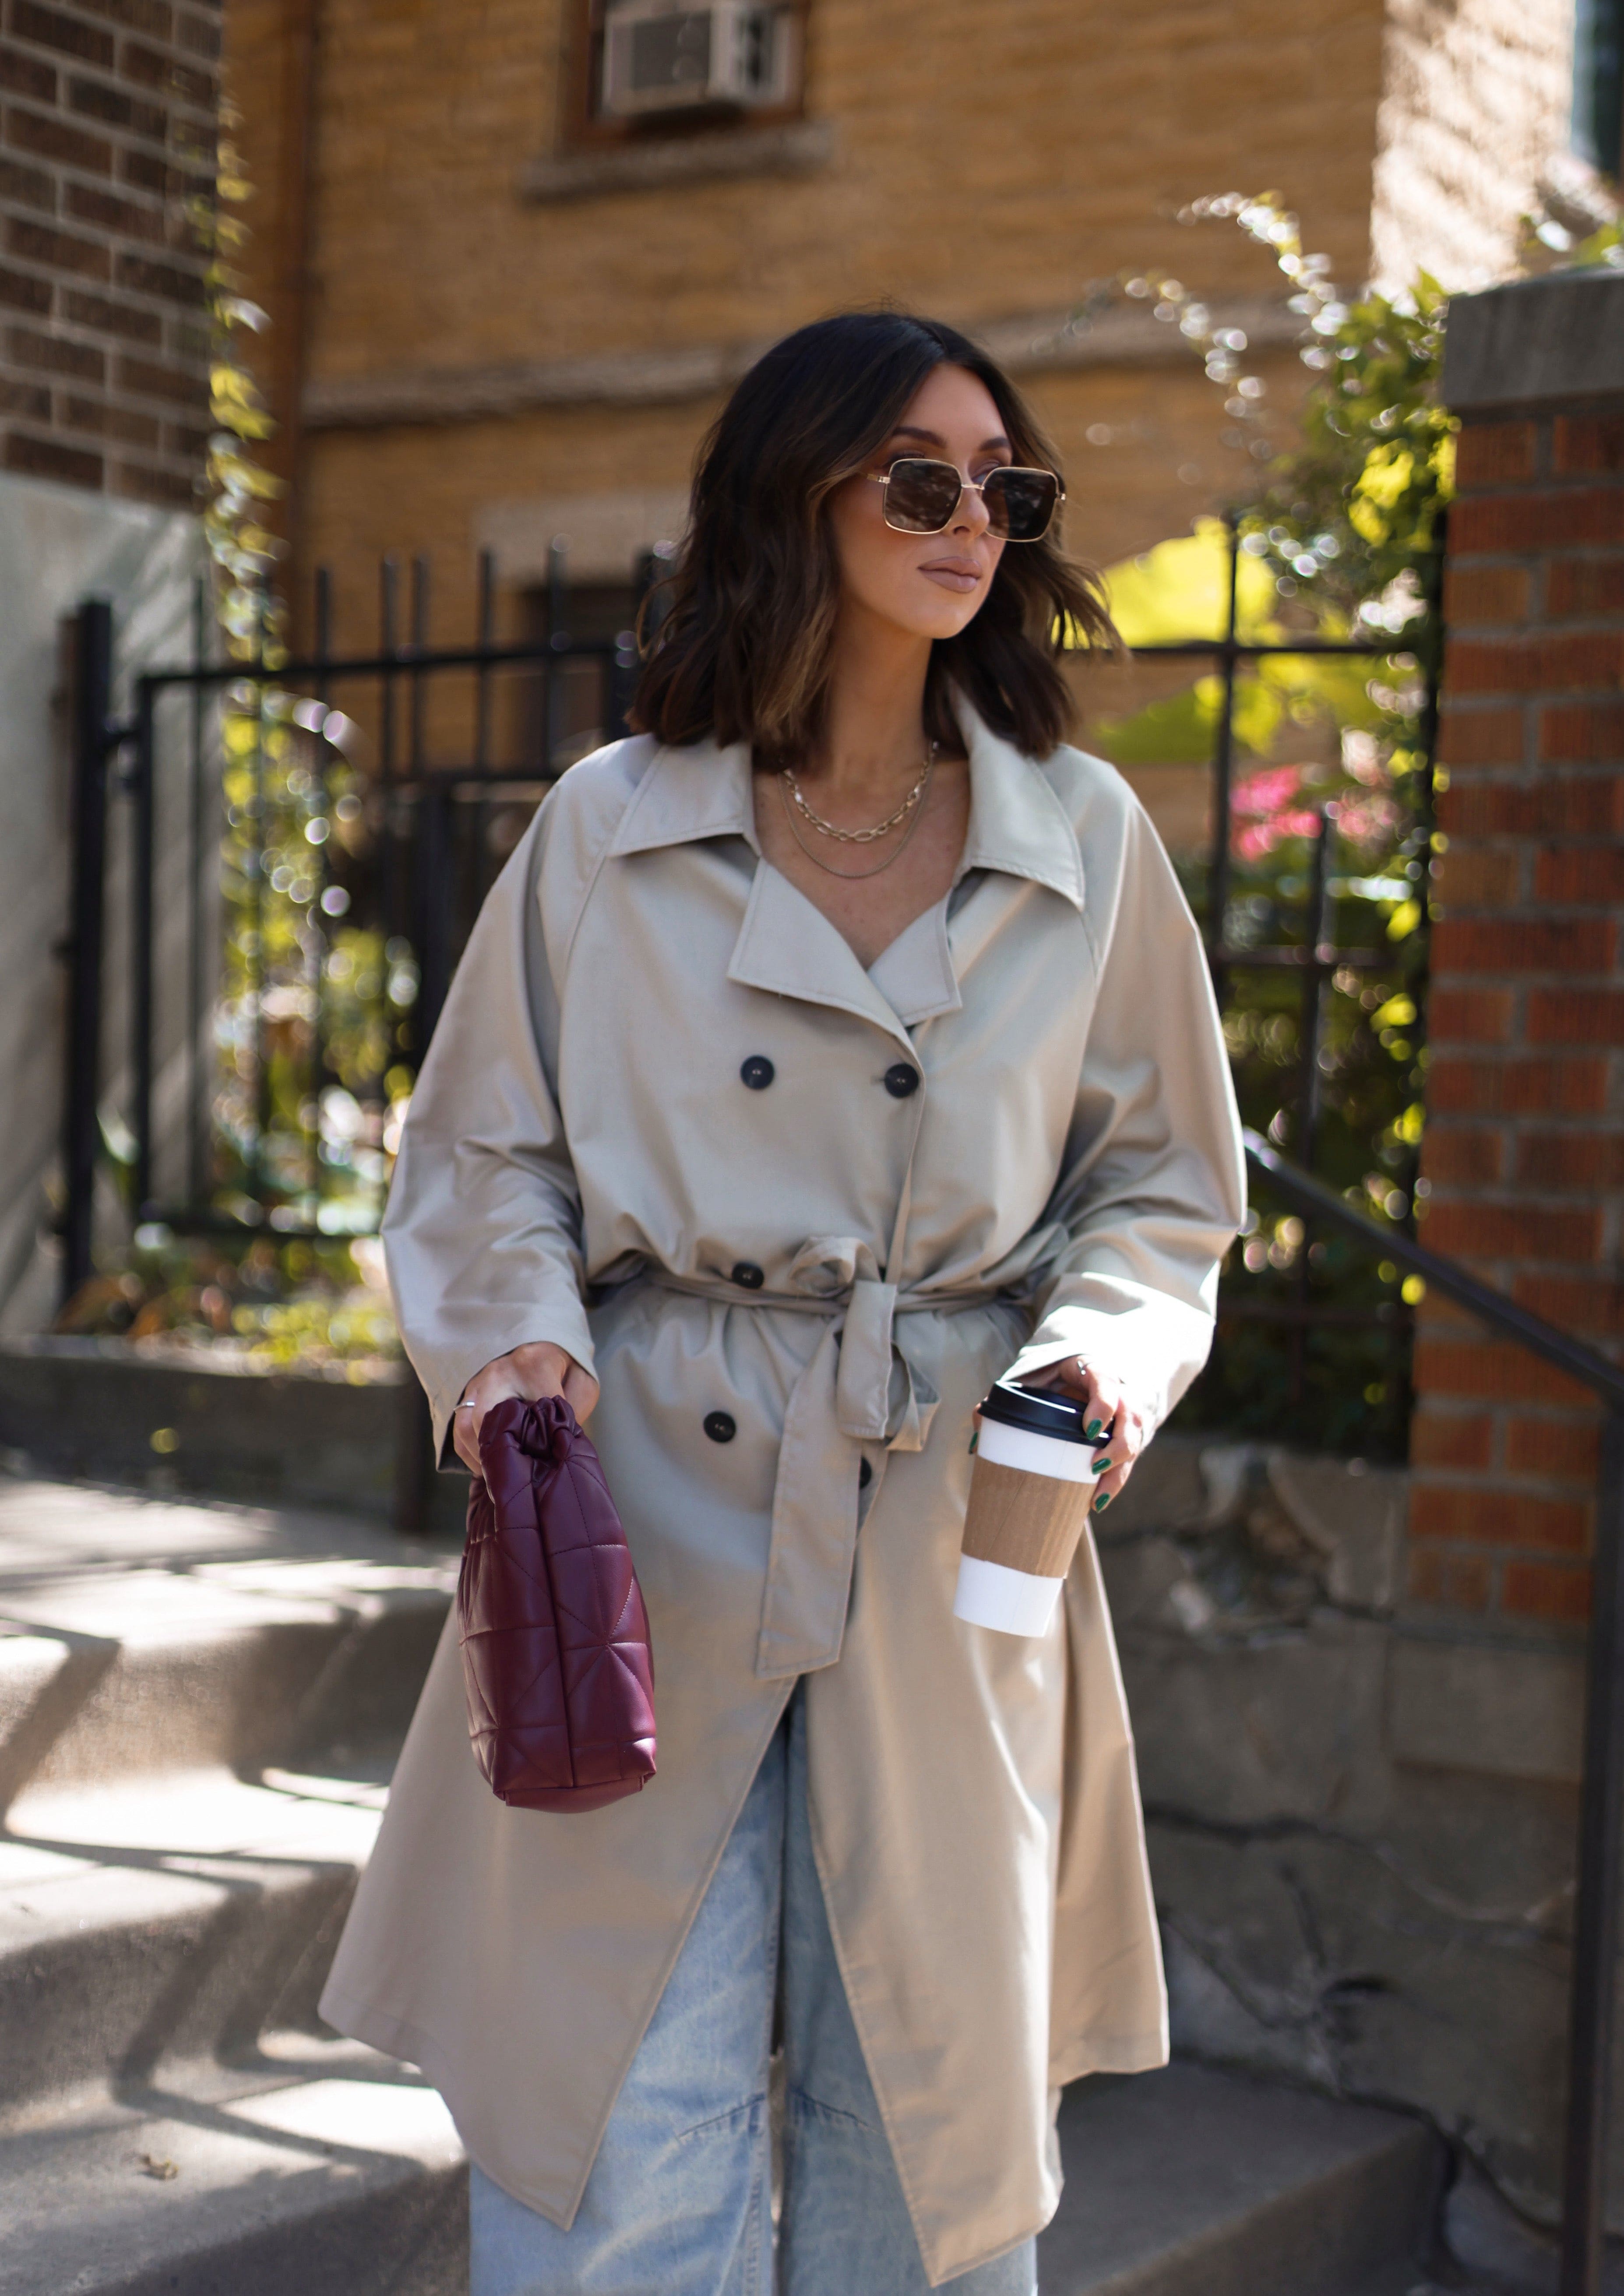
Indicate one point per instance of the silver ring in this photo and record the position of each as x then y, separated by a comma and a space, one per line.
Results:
464, 1406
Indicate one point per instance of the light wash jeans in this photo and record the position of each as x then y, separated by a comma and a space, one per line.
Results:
679, 2201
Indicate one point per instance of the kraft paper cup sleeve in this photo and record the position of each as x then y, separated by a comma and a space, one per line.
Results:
1024, 1522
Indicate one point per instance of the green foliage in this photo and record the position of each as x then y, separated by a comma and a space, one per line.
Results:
310, 1142
283, 1306
1339, 535
241, 548
1356, 514
1602, 251
296, 1141
1180, 589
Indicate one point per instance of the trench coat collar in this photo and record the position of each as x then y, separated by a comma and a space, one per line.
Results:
1018, 828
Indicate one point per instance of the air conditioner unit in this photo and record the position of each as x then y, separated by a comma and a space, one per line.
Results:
658, 56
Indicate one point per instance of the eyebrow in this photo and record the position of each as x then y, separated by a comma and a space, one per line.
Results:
935, 438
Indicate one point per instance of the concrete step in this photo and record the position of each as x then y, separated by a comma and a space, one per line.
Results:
199, 1708
320, 2168
1194, 2183
171, 1888
179, 1919
139, 1637
324, 2168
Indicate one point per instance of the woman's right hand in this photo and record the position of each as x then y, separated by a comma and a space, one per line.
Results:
530, 1373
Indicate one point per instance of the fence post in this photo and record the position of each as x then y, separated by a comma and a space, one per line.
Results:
415, 1465
1223, 768
142, 925
1595, 1920
93, 656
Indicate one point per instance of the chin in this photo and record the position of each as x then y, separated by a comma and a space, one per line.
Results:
943, 618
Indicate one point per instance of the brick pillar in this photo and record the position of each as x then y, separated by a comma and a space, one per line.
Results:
1524, 1149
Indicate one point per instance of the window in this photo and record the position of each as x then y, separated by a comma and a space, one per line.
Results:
658, 68
1598, 82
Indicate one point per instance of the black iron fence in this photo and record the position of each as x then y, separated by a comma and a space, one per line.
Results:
1323, 1300
288, 826
306, 843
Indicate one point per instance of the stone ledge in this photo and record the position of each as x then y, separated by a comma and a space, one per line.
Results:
1544, 342
797, 147
1038, 342
1501, 1712
88, 1408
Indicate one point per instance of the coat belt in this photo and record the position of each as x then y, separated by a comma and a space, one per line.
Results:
860, 1386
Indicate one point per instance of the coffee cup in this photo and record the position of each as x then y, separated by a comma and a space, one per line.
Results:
1031, 1490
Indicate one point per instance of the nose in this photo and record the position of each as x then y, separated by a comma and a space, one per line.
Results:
971, 519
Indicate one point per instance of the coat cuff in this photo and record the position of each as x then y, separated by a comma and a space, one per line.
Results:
445, 1379
1154, 1347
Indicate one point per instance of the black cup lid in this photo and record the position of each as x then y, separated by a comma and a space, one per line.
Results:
1038, 1411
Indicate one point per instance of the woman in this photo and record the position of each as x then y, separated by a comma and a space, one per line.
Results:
836, 1043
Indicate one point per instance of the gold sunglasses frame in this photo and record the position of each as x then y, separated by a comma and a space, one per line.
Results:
975, 486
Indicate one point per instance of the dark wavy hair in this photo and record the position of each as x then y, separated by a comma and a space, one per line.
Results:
743, 651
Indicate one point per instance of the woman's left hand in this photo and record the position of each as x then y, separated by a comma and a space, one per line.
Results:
1113, 1413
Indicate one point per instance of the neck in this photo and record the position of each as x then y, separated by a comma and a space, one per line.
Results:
874, 722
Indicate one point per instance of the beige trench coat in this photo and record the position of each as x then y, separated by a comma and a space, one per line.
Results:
581, 1132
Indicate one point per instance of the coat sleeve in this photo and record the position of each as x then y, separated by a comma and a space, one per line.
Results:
1152, 1186
482, 1235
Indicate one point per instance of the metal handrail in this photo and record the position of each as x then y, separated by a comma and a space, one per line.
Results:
1601, 1825
1315, 1200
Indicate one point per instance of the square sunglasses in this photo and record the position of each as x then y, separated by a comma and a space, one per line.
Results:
922, 495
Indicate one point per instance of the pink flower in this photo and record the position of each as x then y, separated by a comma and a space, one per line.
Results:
1262, 804
1263, 793
1368, 820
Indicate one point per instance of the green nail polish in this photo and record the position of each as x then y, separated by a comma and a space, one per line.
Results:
1101, 1502
1095, 1427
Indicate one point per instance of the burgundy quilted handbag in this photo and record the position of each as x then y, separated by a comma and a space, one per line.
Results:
556, 1660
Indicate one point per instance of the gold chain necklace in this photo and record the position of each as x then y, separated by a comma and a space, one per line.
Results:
860, 836
914, 803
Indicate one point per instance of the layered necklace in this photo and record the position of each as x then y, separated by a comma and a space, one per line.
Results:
911, 810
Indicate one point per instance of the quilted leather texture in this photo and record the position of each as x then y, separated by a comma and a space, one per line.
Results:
556, 1660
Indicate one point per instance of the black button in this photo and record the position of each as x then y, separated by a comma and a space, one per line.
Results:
866, 1474
748, 1276
720, 1426
758, 1072
901, 1080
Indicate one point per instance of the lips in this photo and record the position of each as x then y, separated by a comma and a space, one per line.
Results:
961, 574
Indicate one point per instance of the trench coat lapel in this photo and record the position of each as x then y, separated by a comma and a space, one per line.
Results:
1019, 831
789, 947
785, 946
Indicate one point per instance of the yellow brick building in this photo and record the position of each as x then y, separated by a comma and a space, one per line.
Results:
503, 315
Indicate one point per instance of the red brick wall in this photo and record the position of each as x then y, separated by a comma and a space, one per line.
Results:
1525, 1140
103, 361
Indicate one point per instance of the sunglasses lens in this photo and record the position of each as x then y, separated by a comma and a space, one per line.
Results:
1020, 503
921, 496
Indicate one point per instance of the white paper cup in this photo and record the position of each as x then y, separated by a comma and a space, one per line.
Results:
1009, 1601
1037, 1455
1029, 1496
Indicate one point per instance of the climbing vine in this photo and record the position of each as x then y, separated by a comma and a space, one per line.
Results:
297, 1144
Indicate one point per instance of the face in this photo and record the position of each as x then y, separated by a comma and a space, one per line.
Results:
928, 586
